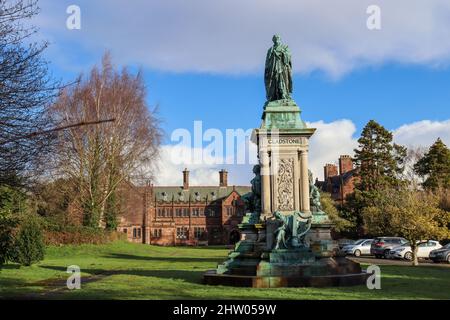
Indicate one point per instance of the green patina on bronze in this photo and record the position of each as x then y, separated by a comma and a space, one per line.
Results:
292, 230
278, 71
282, 114
290, 258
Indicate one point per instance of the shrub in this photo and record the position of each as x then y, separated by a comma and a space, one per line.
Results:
12, 203
7, 226
60, 235
28, 245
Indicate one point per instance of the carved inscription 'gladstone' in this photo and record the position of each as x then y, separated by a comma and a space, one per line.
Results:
285, 181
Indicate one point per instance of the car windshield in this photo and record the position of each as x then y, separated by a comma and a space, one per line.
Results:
447, 246
359, 241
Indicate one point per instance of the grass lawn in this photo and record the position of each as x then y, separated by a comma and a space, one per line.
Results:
134, 271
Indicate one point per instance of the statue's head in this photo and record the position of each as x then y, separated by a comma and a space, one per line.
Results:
276, 40
256, 169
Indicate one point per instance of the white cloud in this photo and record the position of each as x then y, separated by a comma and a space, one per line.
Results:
329, 142
423, 133
232, 36
174, 159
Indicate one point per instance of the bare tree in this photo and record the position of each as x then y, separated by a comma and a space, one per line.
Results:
413, 155
98, 158
26, 89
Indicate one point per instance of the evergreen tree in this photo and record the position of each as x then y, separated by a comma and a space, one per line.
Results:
379, 164
379, 160
434, 166
29, 246
111, 212
12, 203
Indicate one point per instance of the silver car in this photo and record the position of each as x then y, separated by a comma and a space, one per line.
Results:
360, 247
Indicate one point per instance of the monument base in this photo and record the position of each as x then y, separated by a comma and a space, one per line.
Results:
326, 272
252, 265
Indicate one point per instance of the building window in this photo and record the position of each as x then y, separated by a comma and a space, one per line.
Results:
186, 212
201, 212
199, 232
182, 233
229, 211
137, 233
195, 212
161, 212
157, 233
125, 230
178, 212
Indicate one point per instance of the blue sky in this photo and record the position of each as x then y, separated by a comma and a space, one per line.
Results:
392, 94
203, 60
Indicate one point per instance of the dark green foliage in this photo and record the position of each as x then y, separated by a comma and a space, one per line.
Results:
379, 164
341, 224
52, 200
111, 212
7, 225
378, 159
435, 166
12, 202
29, 245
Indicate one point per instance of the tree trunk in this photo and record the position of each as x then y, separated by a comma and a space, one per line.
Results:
414, 249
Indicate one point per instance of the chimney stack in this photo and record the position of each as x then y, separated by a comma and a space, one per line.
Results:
223, 178
185, 179
330, 170
345, 164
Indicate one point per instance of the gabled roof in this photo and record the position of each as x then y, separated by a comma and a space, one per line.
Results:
196, 194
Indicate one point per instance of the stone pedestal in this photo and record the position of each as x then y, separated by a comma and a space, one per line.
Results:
283, 143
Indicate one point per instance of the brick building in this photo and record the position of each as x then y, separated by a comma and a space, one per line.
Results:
340, 180
183, 215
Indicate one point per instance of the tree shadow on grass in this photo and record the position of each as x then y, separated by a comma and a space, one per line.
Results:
163, 258
18, 289
194, 277
10, 266
114, 294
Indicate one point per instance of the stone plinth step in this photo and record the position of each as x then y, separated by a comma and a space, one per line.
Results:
212, 278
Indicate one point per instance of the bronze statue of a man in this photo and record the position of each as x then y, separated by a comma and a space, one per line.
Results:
278, 71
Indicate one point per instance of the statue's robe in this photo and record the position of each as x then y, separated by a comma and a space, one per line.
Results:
278, 73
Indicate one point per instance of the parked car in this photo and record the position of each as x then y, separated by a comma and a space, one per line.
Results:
442, 254
344, 242
381, 246
423, 250
360, 247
